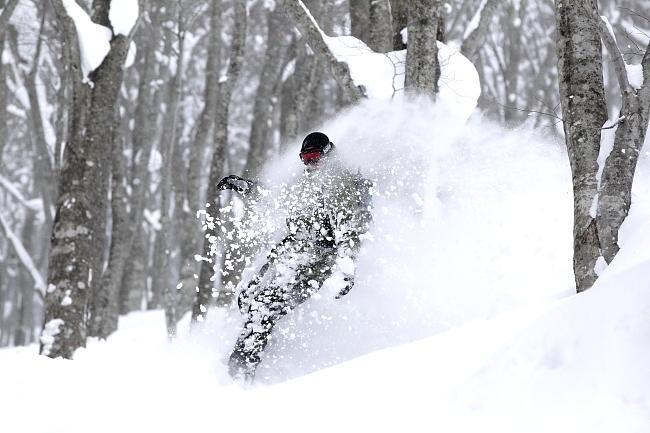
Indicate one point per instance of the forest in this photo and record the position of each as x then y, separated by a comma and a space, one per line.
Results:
149, 157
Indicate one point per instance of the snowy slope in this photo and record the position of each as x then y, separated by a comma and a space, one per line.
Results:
462, 319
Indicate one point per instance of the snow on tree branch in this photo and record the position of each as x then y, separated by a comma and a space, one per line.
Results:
609, 40
123, 16
316, 39
94, 39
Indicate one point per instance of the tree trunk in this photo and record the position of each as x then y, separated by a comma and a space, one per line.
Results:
189, 236
309, 29
422, 65
133, 287
204, 292
473, 39
381, 26
584, 111
360, 19
164, 294
104, 311
615, 192
399, 9
78, 235
3, 101
271, 73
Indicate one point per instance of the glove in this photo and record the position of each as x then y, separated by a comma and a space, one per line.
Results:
345, 290
236, 183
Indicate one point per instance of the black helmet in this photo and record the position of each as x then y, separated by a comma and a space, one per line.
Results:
315, 146
316, 141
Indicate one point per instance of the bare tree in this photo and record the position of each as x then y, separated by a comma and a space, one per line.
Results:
360, 19
204, 291
381, 26
78, 235
271, 74
601, 203
475, 36
422, 64
8, 7
615, 189
309, 29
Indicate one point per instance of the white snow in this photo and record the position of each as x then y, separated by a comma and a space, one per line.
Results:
382, 75
462, 318
50, 330
123, 15
634, 75
94, 39
131, 55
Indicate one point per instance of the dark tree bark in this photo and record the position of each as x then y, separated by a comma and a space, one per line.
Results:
308, 28
422, 65
190, 239
583, 105
360, 19
615, 192
78, 235
271, 73
104, 310
204, 293
399, 12
381, 26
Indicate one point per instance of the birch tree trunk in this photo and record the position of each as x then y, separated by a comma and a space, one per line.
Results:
615, 192
77, 238
584, 111
204, 292
422, 65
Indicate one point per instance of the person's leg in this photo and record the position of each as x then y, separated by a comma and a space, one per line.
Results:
265, 310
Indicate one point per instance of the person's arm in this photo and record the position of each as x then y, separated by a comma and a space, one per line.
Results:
243, 186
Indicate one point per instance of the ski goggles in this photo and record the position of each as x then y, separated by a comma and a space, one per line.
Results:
310, 157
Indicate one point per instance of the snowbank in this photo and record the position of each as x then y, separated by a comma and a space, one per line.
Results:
472, 251
382, 75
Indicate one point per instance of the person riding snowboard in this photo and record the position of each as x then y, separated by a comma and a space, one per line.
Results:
329, 209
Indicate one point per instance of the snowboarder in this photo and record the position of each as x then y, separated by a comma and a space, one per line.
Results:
328, 211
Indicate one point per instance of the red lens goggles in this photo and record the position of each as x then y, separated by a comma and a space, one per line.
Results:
311, 157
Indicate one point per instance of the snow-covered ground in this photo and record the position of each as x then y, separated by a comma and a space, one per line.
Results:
463, 317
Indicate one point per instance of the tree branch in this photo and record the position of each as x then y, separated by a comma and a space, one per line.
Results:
481, 20
6, 13
316, 39
25, 258
609, 41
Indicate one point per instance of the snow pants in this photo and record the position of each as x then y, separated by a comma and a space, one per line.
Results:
295, 274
